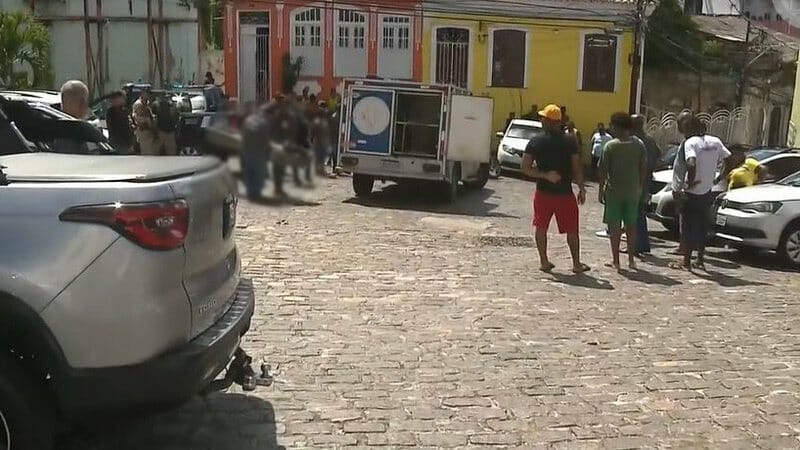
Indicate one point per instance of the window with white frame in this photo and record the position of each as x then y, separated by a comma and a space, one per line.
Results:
396, 32
306, 39
508, 58
350, 52
599, 62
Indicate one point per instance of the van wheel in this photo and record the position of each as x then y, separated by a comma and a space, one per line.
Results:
24, 424
789, 248
362, 185
494, 169
483, 178
450, 189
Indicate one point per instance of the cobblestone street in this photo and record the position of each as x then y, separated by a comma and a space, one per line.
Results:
391, 322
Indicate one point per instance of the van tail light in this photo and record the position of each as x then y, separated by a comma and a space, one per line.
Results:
154, 226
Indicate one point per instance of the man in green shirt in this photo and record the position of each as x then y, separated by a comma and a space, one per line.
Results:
623, 170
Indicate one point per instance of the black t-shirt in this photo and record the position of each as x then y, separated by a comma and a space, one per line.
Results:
119, 126
553, 152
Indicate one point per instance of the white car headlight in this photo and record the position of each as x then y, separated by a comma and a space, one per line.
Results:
761, 207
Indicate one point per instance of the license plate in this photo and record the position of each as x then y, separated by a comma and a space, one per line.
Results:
390, 164
190, 122
721, 220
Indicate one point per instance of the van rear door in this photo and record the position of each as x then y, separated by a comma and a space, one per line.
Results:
370, 120
469, 138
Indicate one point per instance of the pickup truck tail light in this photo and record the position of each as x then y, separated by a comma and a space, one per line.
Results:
154, 226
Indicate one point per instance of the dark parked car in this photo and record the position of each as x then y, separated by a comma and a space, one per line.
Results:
46, 129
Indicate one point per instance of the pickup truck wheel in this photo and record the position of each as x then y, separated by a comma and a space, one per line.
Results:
362, 185
789, 247
24, 424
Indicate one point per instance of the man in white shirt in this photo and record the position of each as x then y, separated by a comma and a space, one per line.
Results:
599, 140
703, 154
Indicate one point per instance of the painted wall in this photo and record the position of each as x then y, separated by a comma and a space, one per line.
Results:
554, 68
125, 36
280, 22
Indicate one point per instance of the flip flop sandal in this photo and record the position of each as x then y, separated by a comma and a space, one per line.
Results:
678, 266
548, 268
582, 269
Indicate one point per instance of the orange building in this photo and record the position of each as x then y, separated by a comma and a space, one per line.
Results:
356, 38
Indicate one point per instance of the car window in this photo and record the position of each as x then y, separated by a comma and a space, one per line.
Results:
792, 180
762, 154
523, 131
783, 167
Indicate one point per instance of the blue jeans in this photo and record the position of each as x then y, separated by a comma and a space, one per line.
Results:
642, 234
254, 171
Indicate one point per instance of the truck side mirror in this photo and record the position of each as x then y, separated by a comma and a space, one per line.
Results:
500, 134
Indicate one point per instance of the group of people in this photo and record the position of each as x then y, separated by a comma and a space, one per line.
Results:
297, 131
624, 158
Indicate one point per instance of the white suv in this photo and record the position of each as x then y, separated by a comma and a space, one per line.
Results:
764, 217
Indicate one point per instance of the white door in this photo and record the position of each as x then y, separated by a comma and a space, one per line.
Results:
470, 133
350, 51
394, 47
253, 56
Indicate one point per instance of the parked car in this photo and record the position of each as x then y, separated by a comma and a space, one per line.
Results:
780, 163
120, 287
763, 217
45, 128
53, 100
513, 142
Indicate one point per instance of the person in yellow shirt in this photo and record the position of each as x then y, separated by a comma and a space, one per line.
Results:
748, 174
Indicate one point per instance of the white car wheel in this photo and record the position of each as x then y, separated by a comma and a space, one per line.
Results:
791, 245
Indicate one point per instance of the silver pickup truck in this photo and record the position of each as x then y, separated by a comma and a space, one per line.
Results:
120, 287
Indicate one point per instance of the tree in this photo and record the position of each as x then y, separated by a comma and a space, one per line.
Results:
24, 50
672, 38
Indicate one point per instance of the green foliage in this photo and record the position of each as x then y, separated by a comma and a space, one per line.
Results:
672, 39
291, 72
24, 48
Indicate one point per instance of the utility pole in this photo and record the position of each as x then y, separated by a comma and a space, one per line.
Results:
637, 59
745, 64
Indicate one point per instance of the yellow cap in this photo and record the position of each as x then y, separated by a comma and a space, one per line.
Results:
552, 112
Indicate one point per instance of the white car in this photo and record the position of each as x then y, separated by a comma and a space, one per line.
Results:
513, 142
780, 163
763, 217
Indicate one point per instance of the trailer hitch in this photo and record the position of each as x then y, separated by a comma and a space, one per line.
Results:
240, 371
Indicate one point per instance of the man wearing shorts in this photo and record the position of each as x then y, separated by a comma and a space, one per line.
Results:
552, 159
623, 170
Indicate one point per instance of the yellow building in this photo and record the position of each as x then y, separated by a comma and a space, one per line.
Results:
579, 55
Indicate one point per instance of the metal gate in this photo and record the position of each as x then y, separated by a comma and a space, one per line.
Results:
254, 83
452, 56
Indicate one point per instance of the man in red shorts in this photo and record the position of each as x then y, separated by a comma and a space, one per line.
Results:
552, 159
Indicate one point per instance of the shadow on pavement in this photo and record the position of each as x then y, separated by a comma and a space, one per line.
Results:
426, 198
725, 280
583, 280
643, 276
220, 422
282, 201
759, 260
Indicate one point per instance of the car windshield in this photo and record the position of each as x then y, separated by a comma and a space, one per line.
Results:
791, 180
523, 131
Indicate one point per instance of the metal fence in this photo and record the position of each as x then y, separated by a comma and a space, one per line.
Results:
732, 126
452, 63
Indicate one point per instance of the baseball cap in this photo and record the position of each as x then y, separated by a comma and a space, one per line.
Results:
552, 112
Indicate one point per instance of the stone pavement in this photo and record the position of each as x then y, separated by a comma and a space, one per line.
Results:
397, 322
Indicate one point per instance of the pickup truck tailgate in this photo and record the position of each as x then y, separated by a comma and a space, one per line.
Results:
211, 270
